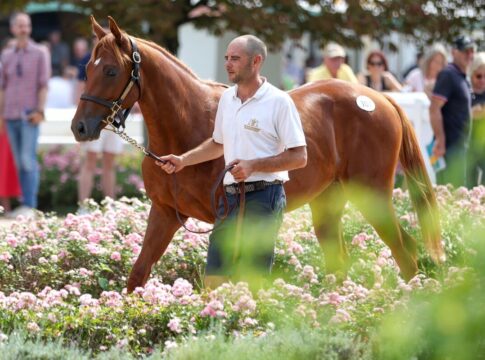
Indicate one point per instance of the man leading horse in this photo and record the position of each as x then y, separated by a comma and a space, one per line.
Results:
354, 137
259, 132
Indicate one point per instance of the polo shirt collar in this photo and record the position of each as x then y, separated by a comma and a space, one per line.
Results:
454, 66
262, 89
258, 94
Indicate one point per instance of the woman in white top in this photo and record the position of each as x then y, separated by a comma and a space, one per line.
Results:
422, 79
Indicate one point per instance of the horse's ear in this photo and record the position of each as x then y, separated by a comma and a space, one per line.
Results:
115, 30
97, 29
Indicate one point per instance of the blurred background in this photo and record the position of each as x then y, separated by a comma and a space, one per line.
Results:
293, 29
198, 32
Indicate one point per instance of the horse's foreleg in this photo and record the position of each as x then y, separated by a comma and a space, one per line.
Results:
327, 210
162, 225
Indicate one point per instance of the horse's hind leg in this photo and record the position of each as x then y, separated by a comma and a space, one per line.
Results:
379, 211
327, 210
409, 243
162, 225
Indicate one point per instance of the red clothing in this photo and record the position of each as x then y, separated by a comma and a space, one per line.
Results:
9, 181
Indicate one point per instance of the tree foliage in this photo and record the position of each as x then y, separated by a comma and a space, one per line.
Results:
274, 21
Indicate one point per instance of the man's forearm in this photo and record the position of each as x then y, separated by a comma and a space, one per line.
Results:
206, 151
436, 119
1, 102
290, 159
41, 98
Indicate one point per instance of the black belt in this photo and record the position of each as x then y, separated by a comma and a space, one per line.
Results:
251, 186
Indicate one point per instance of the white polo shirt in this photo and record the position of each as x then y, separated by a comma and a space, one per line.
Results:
264, 125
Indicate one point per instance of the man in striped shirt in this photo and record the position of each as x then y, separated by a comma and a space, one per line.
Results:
23, 89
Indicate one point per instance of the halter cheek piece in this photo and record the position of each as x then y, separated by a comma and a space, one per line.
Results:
116, 119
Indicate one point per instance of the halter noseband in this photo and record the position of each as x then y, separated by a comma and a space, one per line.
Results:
116, 120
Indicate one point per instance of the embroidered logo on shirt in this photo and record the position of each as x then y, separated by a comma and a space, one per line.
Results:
252, 125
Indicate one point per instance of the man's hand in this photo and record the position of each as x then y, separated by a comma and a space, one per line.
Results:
173, 163
2, 124
387, 75
439, 148
242, 169
36, 117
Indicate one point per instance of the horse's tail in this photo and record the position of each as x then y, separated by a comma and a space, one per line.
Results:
420, 188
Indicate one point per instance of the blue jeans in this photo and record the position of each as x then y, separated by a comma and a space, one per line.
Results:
254, 251
23, 136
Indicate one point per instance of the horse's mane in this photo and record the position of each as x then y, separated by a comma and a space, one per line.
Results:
178, 62
171, 57
109, 43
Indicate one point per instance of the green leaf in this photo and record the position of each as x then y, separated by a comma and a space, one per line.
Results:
104, 267
103, 283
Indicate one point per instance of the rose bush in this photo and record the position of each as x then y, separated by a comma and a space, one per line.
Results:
59, 171
65, 278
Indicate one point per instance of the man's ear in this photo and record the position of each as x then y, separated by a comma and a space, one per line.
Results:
258, 60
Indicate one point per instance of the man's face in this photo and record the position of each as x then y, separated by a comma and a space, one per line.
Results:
238, 64
80, 48
21, 27
334, 63
463, 58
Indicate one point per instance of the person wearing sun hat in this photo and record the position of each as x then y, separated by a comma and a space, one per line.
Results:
450, 113
333, 66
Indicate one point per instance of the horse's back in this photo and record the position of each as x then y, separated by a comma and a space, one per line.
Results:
352, 132
336, 101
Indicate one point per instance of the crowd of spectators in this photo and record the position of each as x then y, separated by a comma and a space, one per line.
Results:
452, 83
376, 72
33, 77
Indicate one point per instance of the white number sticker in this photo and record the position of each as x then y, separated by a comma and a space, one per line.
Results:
365, 103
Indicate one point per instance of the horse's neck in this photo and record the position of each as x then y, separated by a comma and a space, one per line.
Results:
177, 107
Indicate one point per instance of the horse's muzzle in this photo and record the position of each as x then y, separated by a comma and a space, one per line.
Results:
83, 132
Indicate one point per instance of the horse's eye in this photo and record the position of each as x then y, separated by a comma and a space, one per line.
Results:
111, 71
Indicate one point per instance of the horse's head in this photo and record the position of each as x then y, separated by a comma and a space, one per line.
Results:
111, 73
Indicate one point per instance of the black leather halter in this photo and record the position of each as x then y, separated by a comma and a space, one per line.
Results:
117, 117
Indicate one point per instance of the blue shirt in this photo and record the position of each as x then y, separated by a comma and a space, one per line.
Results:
81, 75
452, 86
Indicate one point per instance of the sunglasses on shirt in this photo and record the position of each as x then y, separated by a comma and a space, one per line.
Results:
19, 69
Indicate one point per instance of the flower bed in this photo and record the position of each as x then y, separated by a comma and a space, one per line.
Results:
65, 277
59, 166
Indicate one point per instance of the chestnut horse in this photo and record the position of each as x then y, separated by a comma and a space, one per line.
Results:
347, 144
